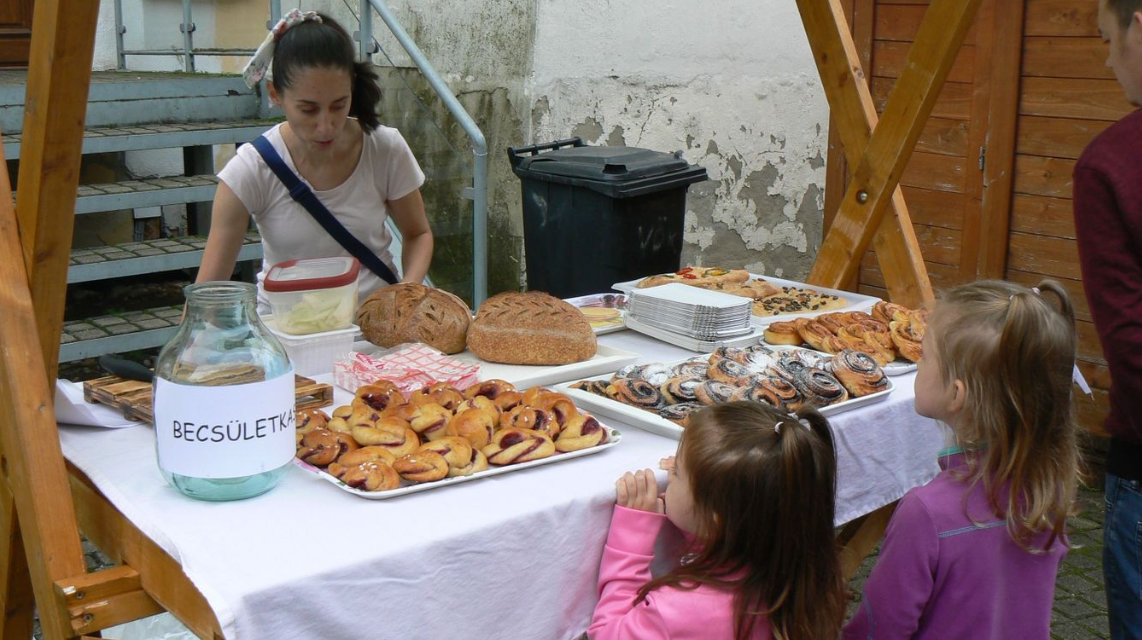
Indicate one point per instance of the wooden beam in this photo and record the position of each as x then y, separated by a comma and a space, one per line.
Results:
105, 599
16, 600
1005, 51
877, 175
59, 74
854, 114
859, 537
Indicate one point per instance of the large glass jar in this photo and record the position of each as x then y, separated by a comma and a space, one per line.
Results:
223, 398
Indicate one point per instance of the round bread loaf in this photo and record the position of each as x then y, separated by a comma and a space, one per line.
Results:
410, 312
530, 328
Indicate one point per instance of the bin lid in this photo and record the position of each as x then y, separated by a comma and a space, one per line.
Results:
605, 164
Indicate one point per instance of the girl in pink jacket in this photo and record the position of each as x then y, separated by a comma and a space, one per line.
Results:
752, 489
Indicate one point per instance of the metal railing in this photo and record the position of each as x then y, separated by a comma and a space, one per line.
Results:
477, 193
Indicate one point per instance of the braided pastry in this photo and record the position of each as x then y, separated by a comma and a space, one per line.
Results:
359, 456
580, 432
558, 404
510, 446
679, 389
714, 392
524, 417
344, 411
362, 416
398, 439
779, 393
508, 400
379, 396
478, 462
422, 466
307, 420
457, 452
680, 413
476, 425
404, 412
820, 388
322, 446
441, 393
636, 393
371, 476
859, 372
430, 420
905, 341
532, 394
479, 402
338, 424
489, 388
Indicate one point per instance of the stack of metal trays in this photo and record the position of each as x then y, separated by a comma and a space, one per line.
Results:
692, 312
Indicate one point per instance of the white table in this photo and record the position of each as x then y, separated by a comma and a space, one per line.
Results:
501, 557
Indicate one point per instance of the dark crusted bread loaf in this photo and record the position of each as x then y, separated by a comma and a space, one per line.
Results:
530, 328
415, 313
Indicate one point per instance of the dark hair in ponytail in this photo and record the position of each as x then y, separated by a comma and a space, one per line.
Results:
764, 498
327, 44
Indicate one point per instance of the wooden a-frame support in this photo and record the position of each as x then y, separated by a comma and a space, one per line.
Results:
44, 503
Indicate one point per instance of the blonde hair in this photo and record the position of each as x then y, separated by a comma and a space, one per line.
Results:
1014, 352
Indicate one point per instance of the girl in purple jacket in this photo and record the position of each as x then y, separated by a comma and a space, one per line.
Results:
752, 489
974, 553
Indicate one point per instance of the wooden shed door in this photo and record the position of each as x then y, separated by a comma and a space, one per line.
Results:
943, 182
15, 32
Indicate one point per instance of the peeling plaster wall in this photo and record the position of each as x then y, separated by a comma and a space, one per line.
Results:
730, 82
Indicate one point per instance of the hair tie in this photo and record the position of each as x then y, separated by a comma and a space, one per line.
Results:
802, 421
256, 68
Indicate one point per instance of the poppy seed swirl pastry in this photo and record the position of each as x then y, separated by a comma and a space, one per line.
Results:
597, 387
859, 373
714, 392
820, 388
680, 413
790, 363
779, 393
679, 389
728, 371
636, 393
510, 446
692, 368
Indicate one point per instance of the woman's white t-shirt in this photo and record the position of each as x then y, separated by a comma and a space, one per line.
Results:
386, 171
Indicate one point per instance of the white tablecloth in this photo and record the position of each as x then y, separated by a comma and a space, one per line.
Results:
513, 556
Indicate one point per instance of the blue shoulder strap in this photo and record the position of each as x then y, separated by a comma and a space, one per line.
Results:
302, 194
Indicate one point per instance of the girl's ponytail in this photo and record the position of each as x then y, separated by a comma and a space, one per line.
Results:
366, 96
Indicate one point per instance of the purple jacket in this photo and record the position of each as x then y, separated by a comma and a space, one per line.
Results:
941, 576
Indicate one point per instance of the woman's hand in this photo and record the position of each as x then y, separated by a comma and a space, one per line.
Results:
639, 490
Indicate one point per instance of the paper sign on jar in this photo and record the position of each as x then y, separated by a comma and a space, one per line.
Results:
225, 431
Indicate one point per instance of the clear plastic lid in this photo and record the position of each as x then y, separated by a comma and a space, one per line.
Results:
312, 273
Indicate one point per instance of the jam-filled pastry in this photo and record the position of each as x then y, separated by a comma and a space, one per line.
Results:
523, 417
479, 402
363, 416
422, 466
307, 420
359, 456
371, 476
531, 394
395, 436
680, 413
509, 400
475, 425
490, 389
728, 371
560, 406
378, 396
692, 368
404, 412
679, 389
714, 392
580, 432
478, 462
457, 451
438, 393
859, 373
511, 446
344, 411
430, 420
597, 387
820, 388
636, 393
322, 446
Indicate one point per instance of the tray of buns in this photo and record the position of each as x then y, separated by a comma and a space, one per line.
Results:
386, 444
890, 333
775, 299
658, 397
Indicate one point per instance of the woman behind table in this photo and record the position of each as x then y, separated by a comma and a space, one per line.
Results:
361, 171
974, 553
753, 489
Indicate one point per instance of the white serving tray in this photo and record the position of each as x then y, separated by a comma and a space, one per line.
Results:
857, 301
653, 423
596, 301
613, 438
691, 343
606, 359
897, 367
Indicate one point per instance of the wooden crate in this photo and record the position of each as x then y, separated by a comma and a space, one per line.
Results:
134, 398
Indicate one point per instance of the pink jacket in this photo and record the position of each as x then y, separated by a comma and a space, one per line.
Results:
702, 613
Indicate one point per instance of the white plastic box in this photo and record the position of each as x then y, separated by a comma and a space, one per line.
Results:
313, 295
314, 354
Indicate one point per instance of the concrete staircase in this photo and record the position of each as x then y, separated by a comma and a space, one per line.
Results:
133, 111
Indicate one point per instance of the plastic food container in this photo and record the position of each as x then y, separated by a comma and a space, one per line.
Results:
315, 353
313, 295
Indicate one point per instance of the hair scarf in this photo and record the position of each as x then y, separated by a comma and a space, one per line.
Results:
257, 67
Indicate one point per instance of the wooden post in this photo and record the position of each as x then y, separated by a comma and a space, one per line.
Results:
877, 173
855, 118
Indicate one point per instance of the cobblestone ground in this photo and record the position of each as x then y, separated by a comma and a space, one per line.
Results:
1080, 599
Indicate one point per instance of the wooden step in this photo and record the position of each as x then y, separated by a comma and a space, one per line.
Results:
151, 192
118, 332
153, 256
157, 136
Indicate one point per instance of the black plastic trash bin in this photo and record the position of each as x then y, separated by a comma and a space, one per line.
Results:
594, 216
